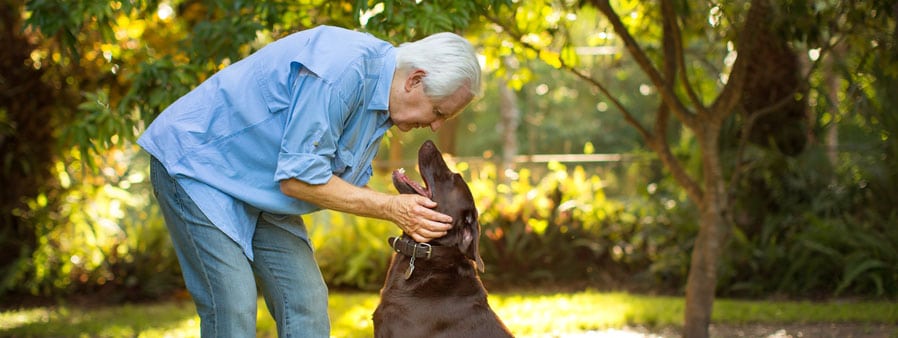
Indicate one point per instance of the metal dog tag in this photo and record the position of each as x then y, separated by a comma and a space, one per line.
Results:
411, 268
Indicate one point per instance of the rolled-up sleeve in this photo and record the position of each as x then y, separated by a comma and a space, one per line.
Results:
312, 128
309, 168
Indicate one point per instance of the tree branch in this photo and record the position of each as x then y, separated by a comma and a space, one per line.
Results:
670, 22
667, 94
656, 139
629, 117
672, 56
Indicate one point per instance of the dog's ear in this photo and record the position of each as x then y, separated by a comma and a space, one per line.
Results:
470, 239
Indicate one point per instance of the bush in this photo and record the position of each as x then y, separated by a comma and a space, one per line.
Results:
352, 252
563, 229
807, 230
99, 233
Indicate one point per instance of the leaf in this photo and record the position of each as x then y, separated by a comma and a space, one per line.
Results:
856, 270
551, 58
833, 253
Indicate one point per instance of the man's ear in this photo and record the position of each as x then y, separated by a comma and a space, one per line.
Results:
414, 78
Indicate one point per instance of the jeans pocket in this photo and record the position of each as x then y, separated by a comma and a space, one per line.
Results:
155, 167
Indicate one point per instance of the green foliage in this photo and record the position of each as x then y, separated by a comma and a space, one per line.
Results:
802, 232
104, 236
824, 223
562, 228
411, 20
352, 252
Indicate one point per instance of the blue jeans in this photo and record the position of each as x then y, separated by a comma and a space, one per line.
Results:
222, 280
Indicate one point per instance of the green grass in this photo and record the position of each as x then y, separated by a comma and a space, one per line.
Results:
524, 313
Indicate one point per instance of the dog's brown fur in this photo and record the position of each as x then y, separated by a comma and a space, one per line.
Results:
443, 296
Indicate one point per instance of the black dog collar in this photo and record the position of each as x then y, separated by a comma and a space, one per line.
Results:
409, 247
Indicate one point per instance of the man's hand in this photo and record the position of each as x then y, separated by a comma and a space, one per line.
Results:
414, 214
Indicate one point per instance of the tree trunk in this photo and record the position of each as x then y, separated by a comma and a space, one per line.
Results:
832, 80
395, 158
28, 135
711, 194
447, 136
711, 239
510, 115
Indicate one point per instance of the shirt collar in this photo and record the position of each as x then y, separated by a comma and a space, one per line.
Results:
381, 98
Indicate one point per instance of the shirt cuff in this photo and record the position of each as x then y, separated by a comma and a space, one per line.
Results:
309, 168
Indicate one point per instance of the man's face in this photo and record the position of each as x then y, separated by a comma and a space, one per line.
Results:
410, 108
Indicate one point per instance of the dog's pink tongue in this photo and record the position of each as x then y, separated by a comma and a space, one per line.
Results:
400, 175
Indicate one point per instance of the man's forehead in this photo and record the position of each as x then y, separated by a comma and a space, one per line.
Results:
457, 102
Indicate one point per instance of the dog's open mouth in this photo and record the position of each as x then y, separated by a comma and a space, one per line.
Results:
399, 177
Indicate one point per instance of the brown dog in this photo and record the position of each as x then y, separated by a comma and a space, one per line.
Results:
432, 289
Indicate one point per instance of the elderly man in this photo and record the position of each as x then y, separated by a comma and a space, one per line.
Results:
286, 131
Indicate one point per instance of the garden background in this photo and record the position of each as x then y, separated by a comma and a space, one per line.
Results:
696, 149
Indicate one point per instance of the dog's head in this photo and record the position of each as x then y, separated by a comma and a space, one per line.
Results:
453, 198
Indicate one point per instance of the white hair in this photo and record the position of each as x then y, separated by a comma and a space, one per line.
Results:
448, 59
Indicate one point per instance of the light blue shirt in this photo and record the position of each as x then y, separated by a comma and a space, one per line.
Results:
307, 106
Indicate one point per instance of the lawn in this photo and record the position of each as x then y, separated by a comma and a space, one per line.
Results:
526, 314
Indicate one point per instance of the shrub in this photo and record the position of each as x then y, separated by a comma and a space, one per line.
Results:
563, 229
99, 232
807, 230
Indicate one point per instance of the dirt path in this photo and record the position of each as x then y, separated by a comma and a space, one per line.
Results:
821, 330
834, 330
